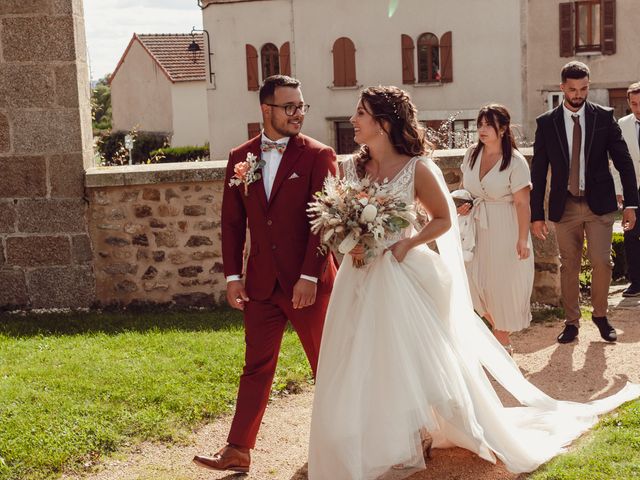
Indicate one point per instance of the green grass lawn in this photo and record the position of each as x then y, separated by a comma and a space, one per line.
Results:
73, 387
610, 452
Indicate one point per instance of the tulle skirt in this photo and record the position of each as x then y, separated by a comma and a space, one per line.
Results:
393, 362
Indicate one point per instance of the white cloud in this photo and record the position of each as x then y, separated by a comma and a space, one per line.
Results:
110, 24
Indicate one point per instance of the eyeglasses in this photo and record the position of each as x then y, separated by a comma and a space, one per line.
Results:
290, 109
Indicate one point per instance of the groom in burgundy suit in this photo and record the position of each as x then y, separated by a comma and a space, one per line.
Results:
286, 278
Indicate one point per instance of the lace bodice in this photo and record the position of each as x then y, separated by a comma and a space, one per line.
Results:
402, 185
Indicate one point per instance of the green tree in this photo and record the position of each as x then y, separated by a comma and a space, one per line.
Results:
101, 104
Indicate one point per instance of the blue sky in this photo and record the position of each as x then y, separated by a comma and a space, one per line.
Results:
110, 24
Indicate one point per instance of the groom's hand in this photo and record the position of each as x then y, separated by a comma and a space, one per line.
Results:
539, 229
304, 293
236, 294
628, 219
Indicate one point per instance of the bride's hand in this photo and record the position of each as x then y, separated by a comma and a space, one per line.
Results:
400, 249
357, 252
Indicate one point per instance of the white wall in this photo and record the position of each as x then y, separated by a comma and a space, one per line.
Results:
141, 94
607, 71
190, 121
487, 57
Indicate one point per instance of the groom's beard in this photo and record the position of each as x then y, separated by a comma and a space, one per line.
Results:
289, 128
576, 103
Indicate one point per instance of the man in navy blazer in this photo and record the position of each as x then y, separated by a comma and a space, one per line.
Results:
576, 140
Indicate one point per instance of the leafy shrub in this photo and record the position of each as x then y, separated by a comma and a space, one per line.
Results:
112, 150
619, 262
180, 154
619, 257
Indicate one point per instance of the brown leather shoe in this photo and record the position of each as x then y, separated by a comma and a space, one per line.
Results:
228, 458
427, 443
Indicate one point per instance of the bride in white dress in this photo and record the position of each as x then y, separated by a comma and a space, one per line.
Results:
403, 352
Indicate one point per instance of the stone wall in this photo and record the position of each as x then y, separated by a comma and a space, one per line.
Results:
45, 142
156, 236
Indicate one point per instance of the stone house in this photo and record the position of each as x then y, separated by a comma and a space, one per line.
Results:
159, 86
449, 62
604, 34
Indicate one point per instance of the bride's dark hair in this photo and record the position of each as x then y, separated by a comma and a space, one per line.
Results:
392, 108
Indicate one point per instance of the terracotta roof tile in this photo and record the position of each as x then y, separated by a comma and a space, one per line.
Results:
170, 51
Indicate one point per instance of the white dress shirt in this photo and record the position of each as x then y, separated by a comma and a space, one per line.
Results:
631, 133
272, 160
637, 125
568, 126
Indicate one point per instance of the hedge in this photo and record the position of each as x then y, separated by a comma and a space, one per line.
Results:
111, 143
619, 257
180, 154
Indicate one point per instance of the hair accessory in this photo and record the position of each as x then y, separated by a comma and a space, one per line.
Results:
395, 109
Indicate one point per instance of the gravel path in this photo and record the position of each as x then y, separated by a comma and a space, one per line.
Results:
582, 371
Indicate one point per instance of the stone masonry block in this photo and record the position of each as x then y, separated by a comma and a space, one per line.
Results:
142, 211
194, 210
5, 134
198, 241
37, 39
7, 217
51, 131
13, 289
38, 251
66, 173
24, 7
71, 286
191, 271
67, 6
51, 216
81, 249
26, 86
152, 194
23, 177
166, 239
67, 86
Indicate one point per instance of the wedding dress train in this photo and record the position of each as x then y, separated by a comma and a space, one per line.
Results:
402, 350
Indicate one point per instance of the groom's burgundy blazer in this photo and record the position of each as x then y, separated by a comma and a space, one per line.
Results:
281, 245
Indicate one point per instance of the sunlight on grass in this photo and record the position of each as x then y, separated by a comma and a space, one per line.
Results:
74, 387
610, 451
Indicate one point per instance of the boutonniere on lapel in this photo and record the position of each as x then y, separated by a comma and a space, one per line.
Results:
247, 172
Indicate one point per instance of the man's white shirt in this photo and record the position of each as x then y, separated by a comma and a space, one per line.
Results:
272, 160
568, 126
631, 134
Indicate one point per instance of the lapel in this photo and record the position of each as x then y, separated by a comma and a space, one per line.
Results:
257, 188
590, 127
561, 132
294, 149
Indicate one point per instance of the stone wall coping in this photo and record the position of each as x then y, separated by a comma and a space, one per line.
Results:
126, 175
155, 173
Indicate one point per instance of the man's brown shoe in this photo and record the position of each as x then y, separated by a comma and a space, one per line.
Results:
228, 458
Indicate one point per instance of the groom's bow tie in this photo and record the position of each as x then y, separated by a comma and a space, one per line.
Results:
267, 146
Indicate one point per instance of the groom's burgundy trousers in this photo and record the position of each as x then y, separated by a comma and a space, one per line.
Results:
264, 323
